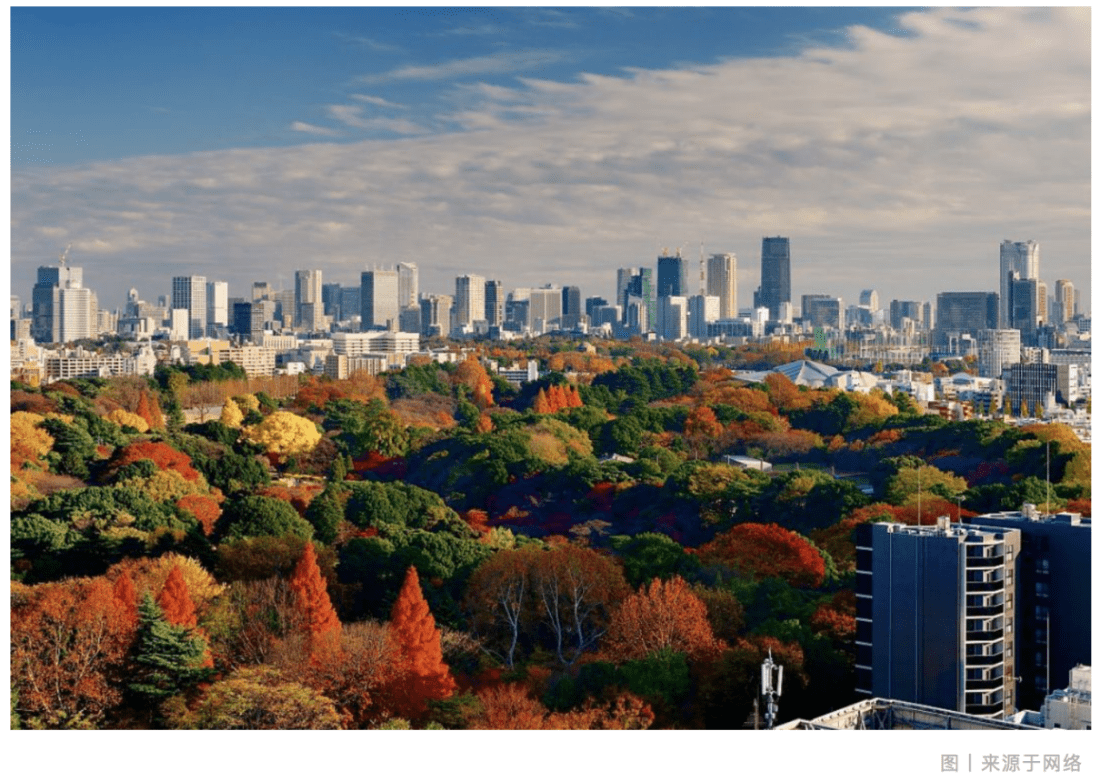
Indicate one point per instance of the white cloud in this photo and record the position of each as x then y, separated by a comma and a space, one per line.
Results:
375, 101
898, 163
507, 62
352, 116
305, 127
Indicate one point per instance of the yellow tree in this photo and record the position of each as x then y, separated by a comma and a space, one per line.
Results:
124, 418
231, 414
284, 434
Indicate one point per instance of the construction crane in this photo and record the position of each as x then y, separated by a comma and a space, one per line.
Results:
64, 255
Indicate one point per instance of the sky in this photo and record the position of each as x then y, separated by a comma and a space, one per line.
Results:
896, 148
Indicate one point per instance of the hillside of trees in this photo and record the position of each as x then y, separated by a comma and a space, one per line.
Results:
435, 549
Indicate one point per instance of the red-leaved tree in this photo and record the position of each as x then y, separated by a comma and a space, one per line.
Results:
314, 607
423, 675
767, 551
663, 615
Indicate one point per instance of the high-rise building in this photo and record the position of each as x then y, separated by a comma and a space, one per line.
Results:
807, 303
722, 282
623, 279
77, 314
544, 313
494, 302
997, 350
775, 275
672, 320
435, 315
45, 303
935, 615
964, 313
571, 313
826, 312
350, 302
1053, 595
869, 299
1024, 308
671, 275
469, 300
260, 291
1019, 260
906, 310
330, 298
592, 303
642, 313
190, 293
408, 284
703, 310
308, 304
217, 306
378, 305
1063, 301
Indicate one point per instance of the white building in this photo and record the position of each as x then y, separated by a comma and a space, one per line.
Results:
190, 293
1071, 708
997, 349
469, 303
1019, 260
722, 283
217, 306
672, 320
378, 299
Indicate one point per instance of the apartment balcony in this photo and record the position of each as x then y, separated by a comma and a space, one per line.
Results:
986, 611
984, 660
985, 587
976, 562
985, 636
989, 685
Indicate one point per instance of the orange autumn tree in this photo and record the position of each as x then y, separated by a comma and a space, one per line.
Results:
664, 615
423, 674
175, 600
179, 609
160, 453
311, 598
767, 551
149, 409
126, 599
68, 647
472, 374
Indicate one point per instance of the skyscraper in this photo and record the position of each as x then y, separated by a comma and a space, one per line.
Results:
869, 299
642, 311
408, 284
570, 306
469, 300
217, 306
1019, 260
544, 313
1063, 301
775, 275
45, 299
997, 350
190, 293
722, 282
308, 305
671, 275
494, 302
378, 299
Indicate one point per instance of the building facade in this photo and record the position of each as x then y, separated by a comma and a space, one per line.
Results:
1019, 260
775, 275
190, 293
378, 299
936, 615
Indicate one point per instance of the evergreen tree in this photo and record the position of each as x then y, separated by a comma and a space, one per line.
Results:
326, 513
168, 659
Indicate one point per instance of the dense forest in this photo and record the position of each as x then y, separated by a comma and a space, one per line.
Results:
434, 548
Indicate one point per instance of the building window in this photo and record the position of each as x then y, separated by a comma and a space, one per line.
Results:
1042, 590
1042, 566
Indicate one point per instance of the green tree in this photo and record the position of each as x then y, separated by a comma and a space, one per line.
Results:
325, 514
168, 659
904, 486
262, 516
259, 698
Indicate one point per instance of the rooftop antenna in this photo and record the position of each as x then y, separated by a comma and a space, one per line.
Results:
771, 688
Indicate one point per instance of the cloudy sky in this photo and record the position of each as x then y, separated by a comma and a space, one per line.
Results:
895, 148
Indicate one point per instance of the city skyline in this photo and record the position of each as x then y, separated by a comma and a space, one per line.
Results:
449, 144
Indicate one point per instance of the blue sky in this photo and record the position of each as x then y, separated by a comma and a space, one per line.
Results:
895, 148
